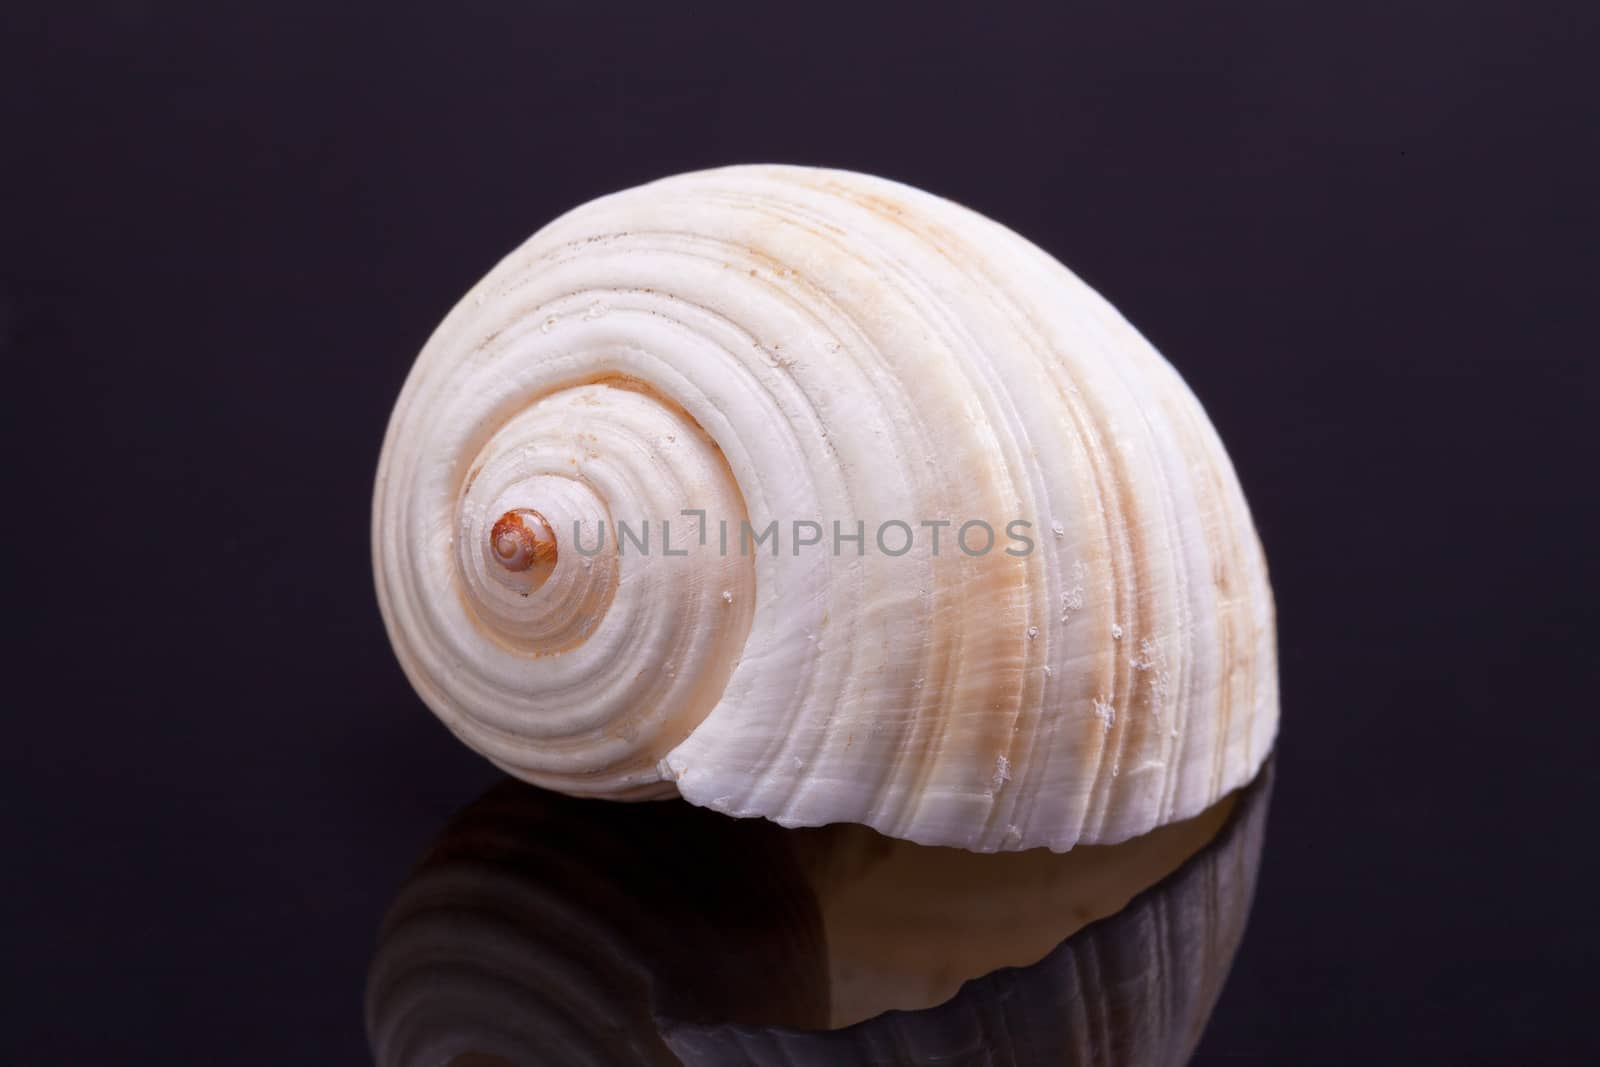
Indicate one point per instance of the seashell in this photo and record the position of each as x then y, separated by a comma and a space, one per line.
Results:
807, 495
541, 929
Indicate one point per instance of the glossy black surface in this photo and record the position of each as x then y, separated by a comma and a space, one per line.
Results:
1365, 234
543, 929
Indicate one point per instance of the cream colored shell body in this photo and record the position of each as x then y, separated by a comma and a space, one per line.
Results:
768, 351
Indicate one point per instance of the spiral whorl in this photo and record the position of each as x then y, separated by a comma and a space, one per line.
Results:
559, 581
661, 506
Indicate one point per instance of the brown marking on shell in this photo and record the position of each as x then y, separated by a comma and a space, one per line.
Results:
522, 540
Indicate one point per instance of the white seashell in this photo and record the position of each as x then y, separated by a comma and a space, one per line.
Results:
849, 361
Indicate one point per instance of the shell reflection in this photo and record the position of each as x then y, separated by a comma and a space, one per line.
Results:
540, 929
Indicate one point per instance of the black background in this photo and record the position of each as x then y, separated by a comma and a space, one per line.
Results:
1365, 233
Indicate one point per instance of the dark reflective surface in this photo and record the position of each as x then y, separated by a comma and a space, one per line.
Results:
543, 929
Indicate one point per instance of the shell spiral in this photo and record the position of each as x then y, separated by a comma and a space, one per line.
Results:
808, 495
